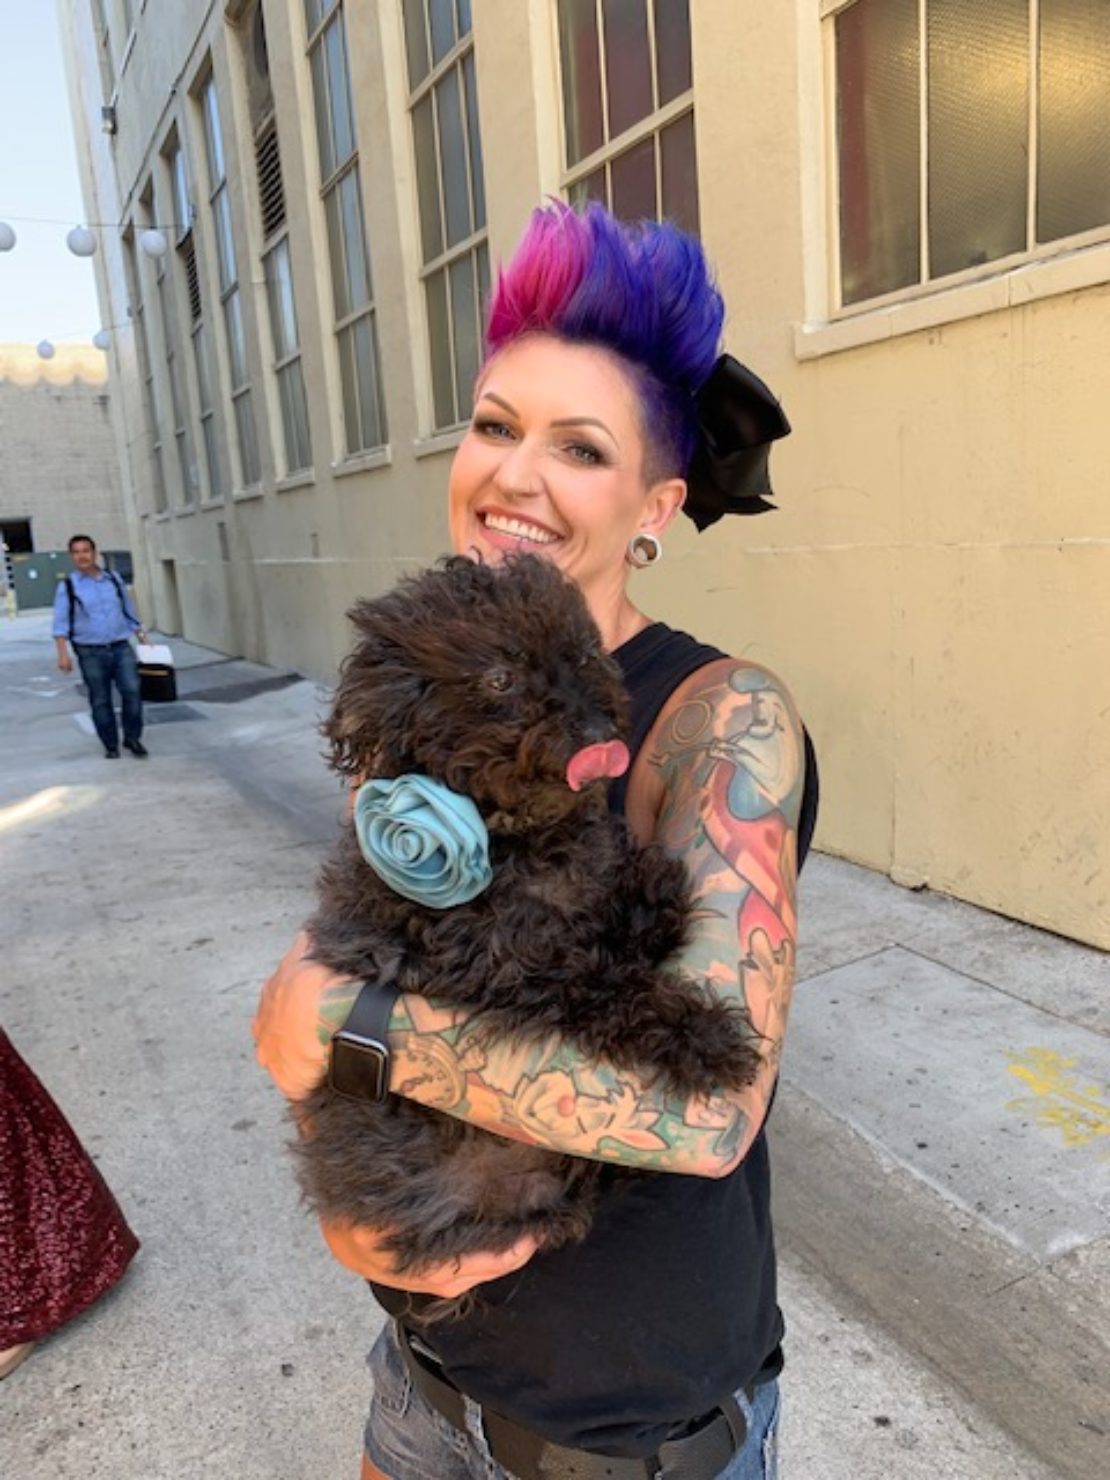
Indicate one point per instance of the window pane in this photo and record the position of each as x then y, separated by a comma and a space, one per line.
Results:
348, 376
878, 135
443, 28
463, 9
416, 42
213, 137
217, 483
225, 242
159, 482
354, 238
633, 180
672, 48
236, 344
680, 173
590, 187
483, 288
452, 148
339, 285
343, 126
474, 137
464, 316
627, 63
427, 178
279, 287
439, 345
294, 418
314, 12
324, 139
249, 465
1074, 166
581, 78
200, 357
366, 358
978, 131
181, 208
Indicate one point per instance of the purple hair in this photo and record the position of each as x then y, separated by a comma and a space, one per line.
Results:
643, 292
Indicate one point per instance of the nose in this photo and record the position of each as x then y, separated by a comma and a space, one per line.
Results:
518, 472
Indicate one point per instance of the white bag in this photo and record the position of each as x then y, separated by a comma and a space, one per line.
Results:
155, 652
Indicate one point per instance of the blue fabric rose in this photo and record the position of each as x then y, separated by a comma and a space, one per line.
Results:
427, 842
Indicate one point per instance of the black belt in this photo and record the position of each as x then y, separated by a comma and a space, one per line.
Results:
699, 1455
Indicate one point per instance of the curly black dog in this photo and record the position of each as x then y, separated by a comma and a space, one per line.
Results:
492, 680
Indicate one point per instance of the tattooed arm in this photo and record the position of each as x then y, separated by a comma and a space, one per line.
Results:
723, 774
719, 784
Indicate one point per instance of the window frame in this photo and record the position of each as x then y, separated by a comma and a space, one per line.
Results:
467, 248
651, 126
1032, 256
218, 190
344, 326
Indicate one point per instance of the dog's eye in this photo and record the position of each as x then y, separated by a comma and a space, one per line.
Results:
500, 680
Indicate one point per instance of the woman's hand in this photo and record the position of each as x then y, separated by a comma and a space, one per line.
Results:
360, 1251
301, 1006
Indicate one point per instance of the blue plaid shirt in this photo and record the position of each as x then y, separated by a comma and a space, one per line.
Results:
102, 612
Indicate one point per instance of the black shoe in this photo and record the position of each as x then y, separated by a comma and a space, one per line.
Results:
111, 755
137, 749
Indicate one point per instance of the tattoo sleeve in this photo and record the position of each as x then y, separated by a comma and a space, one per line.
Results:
729, 756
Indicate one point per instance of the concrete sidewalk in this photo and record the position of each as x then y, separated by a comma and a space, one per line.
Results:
940, 1139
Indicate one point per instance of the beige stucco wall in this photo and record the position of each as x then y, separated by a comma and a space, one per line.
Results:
58, 461
936, 583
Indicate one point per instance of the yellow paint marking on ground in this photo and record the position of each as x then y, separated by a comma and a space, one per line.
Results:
1077, 1111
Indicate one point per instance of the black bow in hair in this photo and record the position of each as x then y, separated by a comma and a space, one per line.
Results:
738, 419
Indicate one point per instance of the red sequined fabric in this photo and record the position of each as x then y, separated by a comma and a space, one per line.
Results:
63, 1239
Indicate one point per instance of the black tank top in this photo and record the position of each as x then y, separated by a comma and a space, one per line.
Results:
669, 1304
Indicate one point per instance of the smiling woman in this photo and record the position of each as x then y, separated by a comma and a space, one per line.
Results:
537, 471
603, 409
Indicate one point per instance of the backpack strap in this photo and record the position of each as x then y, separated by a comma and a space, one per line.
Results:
73, 600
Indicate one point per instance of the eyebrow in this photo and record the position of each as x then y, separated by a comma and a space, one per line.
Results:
564, 421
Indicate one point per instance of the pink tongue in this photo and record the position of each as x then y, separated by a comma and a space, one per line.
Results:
596, 761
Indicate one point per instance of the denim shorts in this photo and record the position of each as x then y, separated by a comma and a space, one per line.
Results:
408, 1440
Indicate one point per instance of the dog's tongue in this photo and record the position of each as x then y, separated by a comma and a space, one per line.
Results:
596, 761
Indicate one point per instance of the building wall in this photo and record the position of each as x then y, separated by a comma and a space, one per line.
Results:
58, 462
936, 582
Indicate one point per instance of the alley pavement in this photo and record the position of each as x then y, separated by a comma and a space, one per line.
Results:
941, 1138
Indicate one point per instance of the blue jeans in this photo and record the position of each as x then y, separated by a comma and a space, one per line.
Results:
408, 1440
101, 667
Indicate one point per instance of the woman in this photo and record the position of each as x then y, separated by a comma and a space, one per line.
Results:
652, 1347
63, 1240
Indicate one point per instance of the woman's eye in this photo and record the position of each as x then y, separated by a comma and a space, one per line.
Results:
500, 680
495, 429
584, 452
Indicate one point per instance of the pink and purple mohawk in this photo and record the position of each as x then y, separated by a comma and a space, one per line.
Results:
644, 292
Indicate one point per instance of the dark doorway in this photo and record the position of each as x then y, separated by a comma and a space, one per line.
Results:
16, 534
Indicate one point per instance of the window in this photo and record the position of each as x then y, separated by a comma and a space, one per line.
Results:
296, 453
287, 357
183, 441
103, 34
184, 216
351, 278
953, 149
231, 303
443, 103
146, 371
628, 107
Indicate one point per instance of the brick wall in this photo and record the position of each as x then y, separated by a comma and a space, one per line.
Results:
58, 463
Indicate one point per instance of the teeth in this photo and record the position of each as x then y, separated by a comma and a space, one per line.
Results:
519, 530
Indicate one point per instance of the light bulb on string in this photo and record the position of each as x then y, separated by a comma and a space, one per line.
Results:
44, 349
7, 237
81, 242
102, 339
153, 243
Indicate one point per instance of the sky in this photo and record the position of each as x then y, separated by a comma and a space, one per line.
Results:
45, 292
